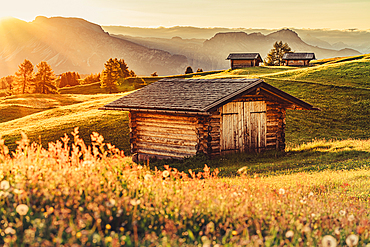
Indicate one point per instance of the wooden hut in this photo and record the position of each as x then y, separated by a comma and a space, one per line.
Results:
176, 118
243, 60
298, 58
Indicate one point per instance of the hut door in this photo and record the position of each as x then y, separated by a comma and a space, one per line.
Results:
232, 127
256, 125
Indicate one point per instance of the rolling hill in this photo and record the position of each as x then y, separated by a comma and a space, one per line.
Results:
345, 109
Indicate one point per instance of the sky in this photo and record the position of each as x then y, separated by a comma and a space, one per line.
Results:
270, 14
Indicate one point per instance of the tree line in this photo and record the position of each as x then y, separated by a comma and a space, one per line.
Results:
44, 80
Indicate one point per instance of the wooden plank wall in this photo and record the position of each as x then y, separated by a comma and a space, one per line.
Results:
274, 131
164, 135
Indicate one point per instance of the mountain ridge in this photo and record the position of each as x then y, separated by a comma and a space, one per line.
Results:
74, 44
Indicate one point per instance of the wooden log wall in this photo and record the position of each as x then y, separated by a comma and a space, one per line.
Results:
243, 63
275, 134
164, 135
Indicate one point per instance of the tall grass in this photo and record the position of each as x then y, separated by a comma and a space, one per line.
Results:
94, 196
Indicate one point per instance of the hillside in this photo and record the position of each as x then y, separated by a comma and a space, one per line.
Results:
66, 112
344, 72
345, 109
72, 44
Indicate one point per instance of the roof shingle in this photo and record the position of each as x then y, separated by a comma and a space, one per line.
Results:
182, 94
298, 56
244, 56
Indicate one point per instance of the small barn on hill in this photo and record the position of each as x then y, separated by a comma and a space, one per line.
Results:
298, 58
243, 60
176, 118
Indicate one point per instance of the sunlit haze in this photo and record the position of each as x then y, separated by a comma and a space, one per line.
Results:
332, 14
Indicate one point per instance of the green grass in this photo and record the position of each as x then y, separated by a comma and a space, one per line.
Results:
51, 124
355, 73
345, 115
339, 59
132, 84
76, 198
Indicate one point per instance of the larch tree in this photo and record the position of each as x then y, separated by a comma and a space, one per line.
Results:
24, 77
110, 75
45, 79
69, 79
275, 56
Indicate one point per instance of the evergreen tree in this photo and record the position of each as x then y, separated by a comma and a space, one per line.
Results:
275, 56
91, 79
24, 77
188, 70
69, 79
110, 75
44, 79
9, 80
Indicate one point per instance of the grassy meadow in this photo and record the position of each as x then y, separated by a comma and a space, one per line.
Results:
77, 190
94, 196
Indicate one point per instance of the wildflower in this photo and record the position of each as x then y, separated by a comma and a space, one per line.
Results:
234, 233
29, 236
351, 218
4, 185
342, 212
135, 202
243, 170
147, 177
329, 241
107, 226
9, 230
17, 191
78, 235
337, 231
289, 234
22, 209
165, 174
352, 240
281, 191
306, 229
108, 239
110, 203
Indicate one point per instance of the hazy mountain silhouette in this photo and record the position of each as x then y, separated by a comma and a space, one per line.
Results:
324, 38
210, 54
73, 44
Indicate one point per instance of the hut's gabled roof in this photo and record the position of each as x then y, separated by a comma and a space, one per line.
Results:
244, 56
198, 96
298, 56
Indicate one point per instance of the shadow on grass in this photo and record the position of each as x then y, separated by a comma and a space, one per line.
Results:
271, 162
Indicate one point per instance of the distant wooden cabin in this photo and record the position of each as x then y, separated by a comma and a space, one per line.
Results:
243, 60
298, 58
176, 118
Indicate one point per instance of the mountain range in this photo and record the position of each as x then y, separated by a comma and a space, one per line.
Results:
73, 44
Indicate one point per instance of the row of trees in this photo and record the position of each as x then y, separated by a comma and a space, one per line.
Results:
26, 80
